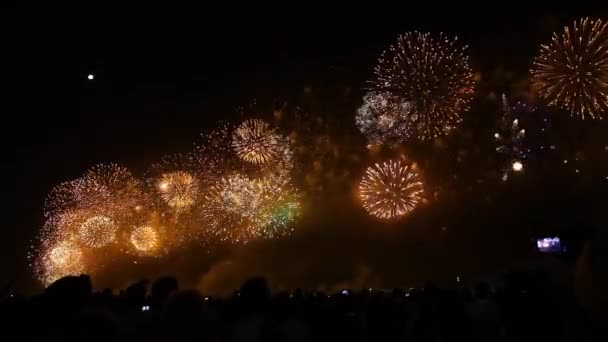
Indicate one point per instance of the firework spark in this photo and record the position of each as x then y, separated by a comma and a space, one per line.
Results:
97, 231
511, 138
429, 75
383, 117
59, 260
226, 208
571, 72
144, 239
277, 208
255, 142
108, 186
239, 209
179, 190
390, 190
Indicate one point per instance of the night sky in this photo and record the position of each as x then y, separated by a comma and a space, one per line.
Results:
158, 86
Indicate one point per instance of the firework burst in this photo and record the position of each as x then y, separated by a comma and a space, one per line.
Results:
255, 142
226, 208
511, 139
179, 190
240, 209
390, 190
383, 117
108, 186
571, 72
277, 207
144, 239
97, 231
431, 78
58, 260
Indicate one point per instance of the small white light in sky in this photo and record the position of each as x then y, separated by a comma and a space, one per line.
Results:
91, 77
565, 161
497, 135
518, 166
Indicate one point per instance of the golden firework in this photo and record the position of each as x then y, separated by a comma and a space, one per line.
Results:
255, 142
97, 231
277, 206
571, 72
238, 208
429, 82
144, 238
179, 190
59, 260
390, 190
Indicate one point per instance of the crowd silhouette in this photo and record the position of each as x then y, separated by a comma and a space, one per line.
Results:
526, 307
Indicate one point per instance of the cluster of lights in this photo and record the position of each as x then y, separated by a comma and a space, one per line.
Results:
571, 72
431, 81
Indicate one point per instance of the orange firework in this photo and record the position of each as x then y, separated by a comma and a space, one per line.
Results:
571, 72
431, 81
390, 190
255, 142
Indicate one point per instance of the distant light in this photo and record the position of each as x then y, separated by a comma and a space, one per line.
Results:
91, 77
163, 186
552, 147
138, 207
458, 279
496, 135
517, 166
577, 171
145, 308
565, 161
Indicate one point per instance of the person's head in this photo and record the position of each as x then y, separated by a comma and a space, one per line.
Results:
163, 287
482, 290
255, 291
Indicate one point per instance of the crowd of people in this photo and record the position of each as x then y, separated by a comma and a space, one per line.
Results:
525, 307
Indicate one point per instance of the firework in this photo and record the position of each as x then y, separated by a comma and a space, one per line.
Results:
97, 231
390, 190
511, 138
59, 260
239, 209
277, 207
226, 208
179, 190
517, 166
432, 80
144, 239
108, 186
237, 195
255, 142
383, 117
571, 72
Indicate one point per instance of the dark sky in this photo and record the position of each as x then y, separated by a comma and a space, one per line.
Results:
159, 84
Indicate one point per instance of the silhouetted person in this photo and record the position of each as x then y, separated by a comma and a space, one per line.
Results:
184, 316
161, 290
